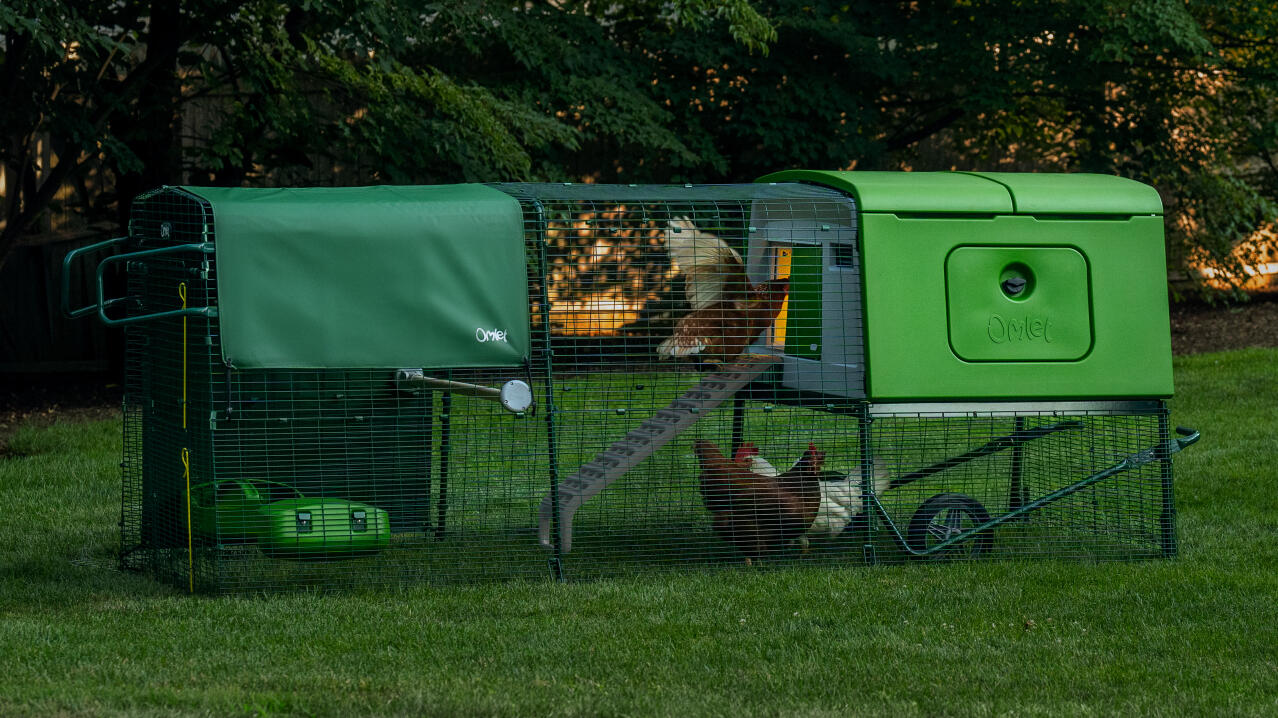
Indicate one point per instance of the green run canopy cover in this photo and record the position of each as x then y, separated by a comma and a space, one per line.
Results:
370, 276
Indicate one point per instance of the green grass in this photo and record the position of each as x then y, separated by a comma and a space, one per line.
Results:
1191, 636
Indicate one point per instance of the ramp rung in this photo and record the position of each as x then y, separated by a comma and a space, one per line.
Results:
644, 433
627, 448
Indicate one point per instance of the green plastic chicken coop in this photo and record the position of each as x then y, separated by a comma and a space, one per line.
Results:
483, 382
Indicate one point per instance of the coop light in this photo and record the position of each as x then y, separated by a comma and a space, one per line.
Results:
359, 521
304, 522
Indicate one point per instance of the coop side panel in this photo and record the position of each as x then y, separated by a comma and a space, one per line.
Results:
909, 314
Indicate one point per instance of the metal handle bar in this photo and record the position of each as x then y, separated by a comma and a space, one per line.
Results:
1191, 436
102, 303
1012, 440
202, 247
66, 278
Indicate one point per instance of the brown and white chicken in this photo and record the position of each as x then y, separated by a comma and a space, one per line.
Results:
840, 493
728, 311
758, 515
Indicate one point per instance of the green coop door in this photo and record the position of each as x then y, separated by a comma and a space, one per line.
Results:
1018, 303
800, 321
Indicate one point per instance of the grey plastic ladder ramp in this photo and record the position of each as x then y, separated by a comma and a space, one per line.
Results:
640, 443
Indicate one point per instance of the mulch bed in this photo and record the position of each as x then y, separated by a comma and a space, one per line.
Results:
1199, 327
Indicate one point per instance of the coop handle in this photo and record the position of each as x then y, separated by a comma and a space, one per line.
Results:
103, 303
66, 278
202, 247
1190, 435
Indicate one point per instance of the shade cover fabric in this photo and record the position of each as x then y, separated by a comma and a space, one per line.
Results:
421, 276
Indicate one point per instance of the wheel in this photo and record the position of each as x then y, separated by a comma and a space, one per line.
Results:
944, 516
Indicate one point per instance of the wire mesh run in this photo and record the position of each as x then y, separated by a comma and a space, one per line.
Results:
696, 398
1087, 485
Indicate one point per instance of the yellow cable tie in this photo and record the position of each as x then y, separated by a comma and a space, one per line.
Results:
190, 551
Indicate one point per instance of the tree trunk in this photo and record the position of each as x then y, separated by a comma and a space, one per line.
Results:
154, 122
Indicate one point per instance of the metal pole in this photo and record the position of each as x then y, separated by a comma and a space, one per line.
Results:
552, 439
409, 376
738, 424
1016, 494
868, 500
515, 395
445, 431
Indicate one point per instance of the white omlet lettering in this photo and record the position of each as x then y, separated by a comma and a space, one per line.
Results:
489, 335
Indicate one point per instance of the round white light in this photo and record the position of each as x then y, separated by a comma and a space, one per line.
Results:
516, 396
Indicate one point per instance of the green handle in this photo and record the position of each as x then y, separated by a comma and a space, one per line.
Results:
66, 279
100, 306
1191, 436
203, 247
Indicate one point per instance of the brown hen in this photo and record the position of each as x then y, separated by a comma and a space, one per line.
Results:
759, 514
728, 311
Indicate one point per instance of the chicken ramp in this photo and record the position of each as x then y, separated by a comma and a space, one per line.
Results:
640, 443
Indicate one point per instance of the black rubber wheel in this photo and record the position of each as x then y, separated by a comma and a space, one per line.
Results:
944, 516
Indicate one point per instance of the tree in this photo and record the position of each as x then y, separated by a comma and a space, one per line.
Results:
1177, 94
259, 91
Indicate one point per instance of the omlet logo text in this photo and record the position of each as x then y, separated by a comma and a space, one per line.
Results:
1017, 329
489, 335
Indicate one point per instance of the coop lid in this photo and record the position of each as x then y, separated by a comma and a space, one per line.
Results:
986, 192
931, 192
370, 276
1083, 194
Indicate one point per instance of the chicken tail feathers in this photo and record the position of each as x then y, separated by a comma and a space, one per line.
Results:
681, 345
713, 271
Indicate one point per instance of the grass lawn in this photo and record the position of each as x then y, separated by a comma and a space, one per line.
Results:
1197, 635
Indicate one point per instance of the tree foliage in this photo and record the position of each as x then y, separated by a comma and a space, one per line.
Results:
1178, 94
